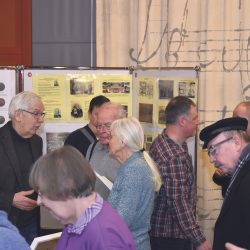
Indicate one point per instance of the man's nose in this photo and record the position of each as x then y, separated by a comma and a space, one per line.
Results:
212, 158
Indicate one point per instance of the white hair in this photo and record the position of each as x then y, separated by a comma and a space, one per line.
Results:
130, 131
23, 100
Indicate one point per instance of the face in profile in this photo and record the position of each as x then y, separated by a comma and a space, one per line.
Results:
63, 211
93, 117
30, 120
104, 121
192, 122
115, 146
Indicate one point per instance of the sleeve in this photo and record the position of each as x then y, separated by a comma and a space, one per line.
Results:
178, 180
6, 184
178, 186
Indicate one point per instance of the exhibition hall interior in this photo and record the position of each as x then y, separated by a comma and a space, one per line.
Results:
150, 98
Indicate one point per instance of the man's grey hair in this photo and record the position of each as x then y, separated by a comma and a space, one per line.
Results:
23, 100
118, 108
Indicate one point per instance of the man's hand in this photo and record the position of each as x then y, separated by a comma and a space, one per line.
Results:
22, 202
204, 246
230, 246
220, 172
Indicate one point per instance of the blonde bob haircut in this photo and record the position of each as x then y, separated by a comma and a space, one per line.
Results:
129, 130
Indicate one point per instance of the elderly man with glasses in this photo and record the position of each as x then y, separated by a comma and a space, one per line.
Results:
227, 144
20, 147
98, 153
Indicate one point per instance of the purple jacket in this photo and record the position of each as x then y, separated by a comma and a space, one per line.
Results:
106, 231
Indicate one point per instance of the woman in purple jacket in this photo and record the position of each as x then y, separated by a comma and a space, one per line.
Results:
65, 184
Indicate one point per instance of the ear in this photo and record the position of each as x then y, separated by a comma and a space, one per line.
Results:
182, 120
123, 145
238, 142
18, 115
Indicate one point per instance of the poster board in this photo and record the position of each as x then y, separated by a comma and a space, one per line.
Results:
66, 94
143, 92
7, 91
153, 89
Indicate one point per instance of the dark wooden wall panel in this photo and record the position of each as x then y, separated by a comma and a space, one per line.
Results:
15, 32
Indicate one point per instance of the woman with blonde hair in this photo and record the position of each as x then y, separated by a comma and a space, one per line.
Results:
138, 179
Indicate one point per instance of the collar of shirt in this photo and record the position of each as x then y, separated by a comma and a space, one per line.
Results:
241, 163
100, 146
86, 217
182, 147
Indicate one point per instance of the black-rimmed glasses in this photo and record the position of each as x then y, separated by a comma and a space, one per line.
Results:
36, 114
212, 149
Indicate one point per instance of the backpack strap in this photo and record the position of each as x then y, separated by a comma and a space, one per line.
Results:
87, 135
88, 156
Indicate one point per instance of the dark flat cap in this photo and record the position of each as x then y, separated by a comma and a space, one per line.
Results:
227, 124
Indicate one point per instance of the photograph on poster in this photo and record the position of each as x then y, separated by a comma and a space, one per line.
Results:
187, 88
76, 110
57, 113
55, 140
146, 89
79, 87
56, 83
161, 115
116, 87
148, 139
146, 112
125, 107
166, 89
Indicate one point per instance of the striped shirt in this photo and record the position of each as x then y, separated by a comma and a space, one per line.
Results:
86, 217
175, 206
245, 155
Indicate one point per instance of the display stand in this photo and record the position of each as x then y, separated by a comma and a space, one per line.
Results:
8, 89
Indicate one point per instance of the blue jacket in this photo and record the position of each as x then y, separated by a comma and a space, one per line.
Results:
132, 196
10, 238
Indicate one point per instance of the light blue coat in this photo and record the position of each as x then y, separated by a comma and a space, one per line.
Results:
132, 196
10, 239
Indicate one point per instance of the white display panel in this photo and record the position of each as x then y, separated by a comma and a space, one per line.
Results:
7, 91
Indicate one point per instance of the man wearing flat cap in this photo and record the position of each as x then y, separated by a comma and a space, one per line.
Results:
227, 143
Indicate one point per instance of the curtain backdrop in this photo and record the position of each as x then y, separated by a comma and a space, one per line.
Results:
212, 34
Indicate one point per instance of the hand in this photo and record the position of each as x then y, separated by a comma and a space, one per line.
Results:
230, 246
219, 172
22, 202
204, 246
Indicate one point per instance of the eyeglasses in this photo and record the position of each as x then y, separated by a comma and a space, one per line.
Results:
105, 126
35, 114
212, 149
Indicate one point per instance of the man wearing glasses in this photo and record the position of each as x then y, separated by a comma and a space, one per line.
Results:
98, 153
227, 143
20, 147
220, 178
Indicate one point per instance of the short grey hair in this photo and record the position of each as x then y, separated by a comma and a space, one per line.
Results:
23, 100
117, 108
